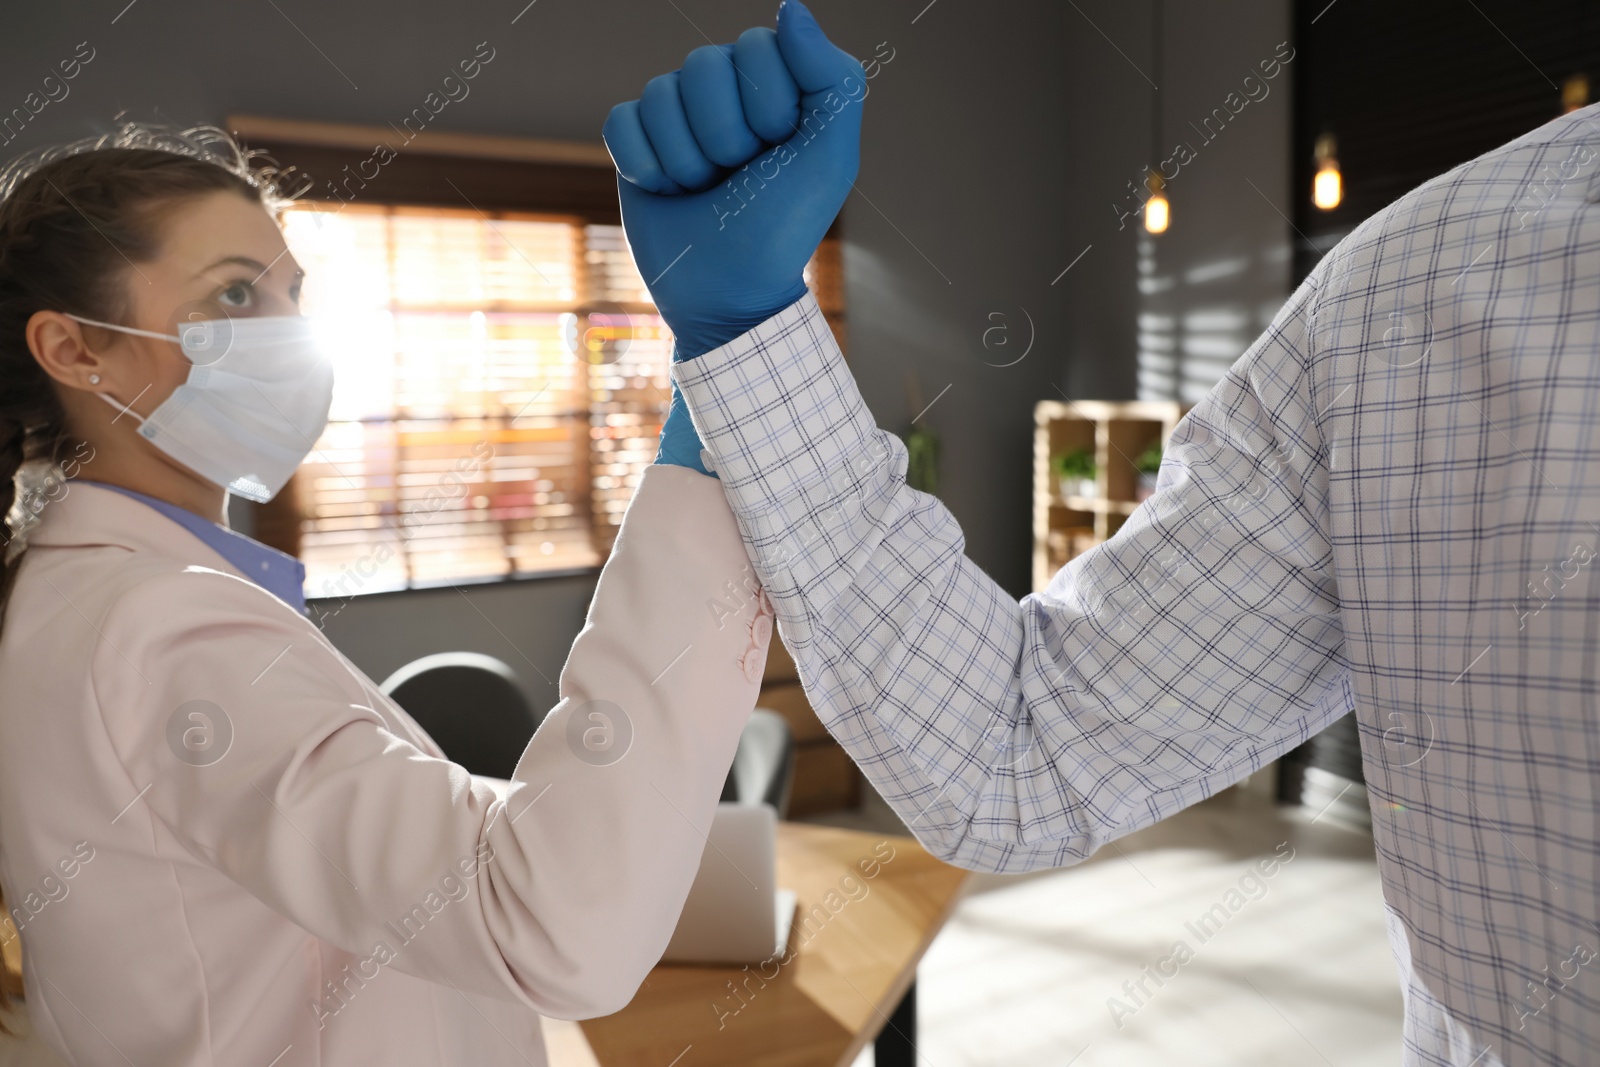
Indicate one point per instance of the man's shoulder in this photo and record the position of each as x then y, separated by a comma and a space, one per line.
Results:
1536, 181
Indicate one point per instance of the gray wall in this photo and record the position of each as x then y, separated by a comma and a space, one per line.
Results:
997, 140
1213, 281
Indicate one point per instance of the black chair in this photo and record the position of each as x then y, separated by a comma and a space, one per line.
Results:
473, 705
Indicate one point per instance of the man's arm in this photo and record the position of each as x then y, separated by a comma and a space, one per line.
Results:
1198, 644
1201, 642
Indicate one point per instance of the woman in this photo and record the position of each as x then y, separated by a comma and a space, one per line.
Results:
220, 841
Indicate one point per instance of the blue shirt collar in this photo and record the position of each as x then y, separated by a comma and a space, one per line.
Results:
277, 572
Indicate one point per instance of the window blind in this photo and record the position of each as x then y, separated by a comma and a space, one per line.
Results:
501, 378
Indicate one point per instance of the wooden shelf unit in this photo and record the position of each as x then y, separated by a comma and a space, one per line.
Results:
1116, 432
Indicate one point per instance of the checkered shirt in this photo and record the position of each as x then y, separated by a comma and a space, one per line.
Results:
1390, 504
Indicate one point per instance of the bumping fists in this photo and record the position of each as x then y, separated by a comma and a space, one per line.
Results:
731, 169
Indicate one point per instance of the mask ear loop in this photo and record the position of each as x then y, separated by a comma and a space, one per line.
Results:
107, 397
120, 406
125, 329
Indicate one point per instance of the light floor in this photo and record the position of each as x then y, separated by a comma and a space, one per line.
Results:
1299, 972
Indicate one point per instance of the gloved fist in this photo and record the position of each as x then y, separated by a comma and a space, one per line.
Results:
721, 222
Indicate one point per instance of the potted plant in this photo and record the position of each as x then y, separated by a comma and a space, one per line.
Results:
1148, 464
1075, 470
922, 444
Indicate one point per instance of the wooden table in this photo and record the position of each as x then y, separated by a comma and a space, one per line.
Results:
854, 958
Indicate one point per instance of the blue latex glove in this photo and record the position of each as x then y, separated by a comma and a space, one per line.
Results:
721, 222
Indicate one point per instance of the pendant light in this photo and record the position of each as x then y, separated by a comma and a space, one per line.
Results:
1157, 212
1574, 92
1327, 188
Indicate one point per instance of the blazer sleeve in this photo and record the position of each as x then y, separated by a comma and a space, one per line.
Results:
571, 876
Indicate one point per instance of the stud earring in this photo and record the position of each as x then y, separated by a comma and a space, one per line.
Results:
94, 379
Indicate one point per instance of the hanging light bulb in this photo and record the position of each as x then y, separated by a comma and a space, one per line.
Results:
1575, 92
1327, 188
1157, 213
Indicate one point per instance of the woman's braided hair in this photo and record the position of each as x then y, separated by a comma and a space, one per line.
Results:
74, 219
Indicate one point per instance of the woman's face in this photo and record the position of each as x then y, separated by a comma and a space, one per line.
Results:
220, 255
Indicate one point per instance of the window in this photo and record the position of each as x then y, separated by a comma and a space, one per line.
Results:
501, 381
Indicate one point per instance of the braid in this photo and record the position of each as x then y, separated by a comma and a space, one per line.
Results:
11, 457
19, 445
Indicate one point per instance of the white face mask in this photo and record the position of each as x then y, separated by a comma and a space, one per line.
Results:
253, 406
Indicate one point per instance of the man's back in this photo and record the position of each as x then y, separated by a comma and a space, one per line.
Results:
1455, 369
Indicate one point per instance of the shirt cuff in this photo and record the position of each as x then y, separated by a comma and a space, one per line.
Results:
812, 481
777, 408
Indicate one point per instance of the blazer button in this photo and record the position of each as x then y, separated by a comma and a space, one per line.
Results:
761, 631
753, 664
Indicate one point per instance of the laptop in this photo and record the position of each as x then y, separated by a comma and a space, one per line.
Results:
735, 914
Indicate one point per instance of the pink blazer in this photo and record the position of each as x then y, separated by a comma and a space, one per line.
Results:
298, 876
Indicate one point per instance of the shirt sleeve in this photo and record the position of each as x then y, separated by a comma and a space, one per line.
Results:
558, 888
1199, 643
